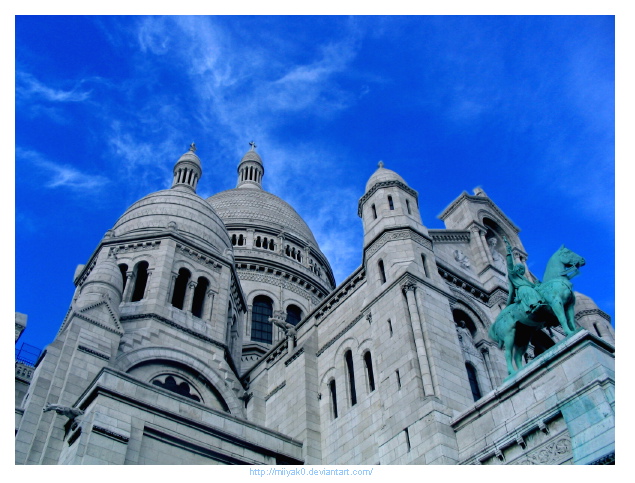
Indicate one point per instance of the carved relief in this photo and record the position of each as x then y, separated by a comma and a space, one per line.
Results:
553, 453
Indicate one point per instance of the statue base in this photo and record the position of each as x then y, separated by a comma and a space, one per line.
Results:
559, 409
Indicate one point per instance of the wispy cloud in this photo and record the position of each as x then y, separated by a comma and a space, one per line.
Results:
28, 87
61, 175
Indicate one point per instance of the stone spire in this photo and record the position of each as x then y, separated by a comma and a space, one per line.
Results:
250, 169
187, 170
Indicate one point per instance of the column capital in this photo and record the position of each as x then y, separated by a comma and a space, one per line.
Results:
192, 284
409, 286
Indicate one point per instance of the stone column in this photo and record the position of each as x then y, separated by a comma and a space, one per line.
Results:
494, 382
409, 290
189, 295
127, 293
488, 253
248, 323
249, 238
482, 250
209, 305
168, 299
148, 280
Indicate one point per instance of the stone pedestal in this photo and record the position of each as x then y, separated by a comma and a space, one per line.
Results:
559, 409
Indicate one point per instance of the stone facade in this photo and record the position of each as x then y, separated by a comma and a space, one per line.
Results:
212, 332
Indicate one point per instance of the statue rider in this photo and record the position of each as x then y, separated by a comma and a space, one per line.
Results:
521, 290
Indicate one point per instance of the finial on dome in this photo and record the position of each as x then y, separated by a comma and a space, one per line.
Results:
193, 147
380, 164
253, 146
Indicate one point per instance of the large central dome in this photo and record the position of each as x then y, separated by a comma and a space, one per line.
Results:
253, 207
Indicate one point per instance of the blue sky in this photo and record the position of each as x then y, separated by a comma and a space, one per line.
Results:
104, 106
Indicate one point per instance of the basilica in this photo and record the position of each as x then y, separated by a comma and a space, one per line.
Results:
211, 331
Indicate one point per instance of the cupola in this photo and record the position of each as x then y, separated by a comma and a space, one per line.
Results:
187, 170
250, 169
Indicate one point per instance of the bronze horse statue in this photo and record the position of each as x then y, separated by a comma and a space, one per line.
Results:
513, 327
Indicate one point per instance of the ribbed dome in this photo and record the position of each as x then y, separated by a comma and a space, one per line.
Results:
251, 156
241, 206
383, 174
191, 157
179, 210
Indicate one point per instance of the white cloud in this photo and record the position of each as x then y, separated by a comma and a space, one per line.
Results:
62, 175
29, 87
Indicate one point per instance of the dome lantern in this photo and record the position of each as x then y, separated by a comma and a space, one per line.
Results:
187, 170
250, 169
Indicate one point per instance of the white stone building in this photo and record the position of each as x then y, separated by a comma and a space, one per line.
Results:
212, 332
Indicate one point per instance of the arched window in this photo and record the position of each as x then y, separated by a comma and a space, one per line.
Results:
180, 286
294, 314
391, 205
471, 376
198, 301
287, 251
333, 393
123, 268
382, 272
408, 207
271, 245
368, 362
141, 279
234, 240
261, 329
258, 244
299, 256
374, 212
348, 357
241, 240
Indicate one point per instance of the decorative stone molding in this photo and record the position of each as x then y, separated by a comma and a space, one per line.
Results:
584, 313
385, 184
339, 334
392, 235
275, 390
409, 286
110, 434
335, 298
92, 352
278, 282
135, 247
552, 453
199, 257
297, 354
449, 236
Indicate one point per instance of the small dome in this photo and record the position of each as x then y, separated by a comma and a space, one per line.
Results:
248, 207
383, 174
191, 157
177, 211
251, 155
106, 272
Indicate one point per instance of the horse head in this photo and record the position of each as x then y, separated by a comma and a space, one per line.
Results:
563, 263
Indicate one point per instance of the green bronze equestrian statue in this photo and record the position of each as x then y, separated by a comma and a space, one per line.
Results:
532, 306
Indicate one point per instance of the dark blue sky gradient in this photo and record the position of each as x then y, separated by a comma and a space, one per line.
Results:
521, 106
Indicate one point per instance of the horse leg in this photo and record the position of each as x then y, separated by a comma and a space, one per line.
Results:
570, 313
523, 335
509, 348
558, 310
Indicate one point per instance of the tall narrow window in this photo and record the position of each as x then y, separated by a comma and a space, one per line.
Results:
294, 314
271, 245
390, 327
180, 286
123, 268
407, 439
369, 371
333, 392
425, 267
471, 375
141, 279
408, 207
597, 331
398, 380
382, 272
240, 240
390, 203
234, 240
374, 212
351, 376
261, 330
198, 302
258, 244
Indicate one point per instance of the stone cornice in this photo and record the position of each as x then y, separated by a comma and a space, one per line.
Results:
339, 335
449, 236
584, 313
385, 184
275, 390
397, 233
480, 200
